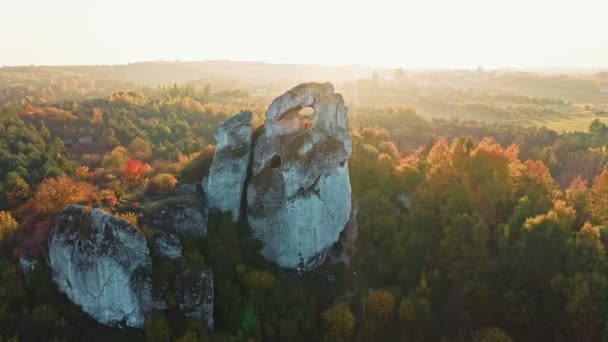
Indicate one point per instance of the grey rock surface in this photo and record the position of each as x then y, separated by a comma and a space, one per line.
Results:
299, 195
178, 218
195, 294
168, 245
187, 188
27, 264
405, 199
100, 263
226, 181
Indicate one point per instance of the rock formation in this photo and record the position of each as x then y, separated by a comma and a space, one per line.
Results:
167, 245
100, 261
193, 286
179, 219
299, 195
405, 199
225, 185
195, 294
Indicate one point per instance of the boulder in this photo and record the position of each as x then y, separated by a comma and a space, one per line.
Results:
100, 262
27, 263
195, 294
167, 245
187, 188
178, 218
405, 199
299, 194
226, 181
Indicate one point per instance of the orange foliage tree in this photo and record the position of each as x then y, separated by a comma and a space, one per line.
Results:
7, 224
465, 177
134, 170
97, 117
381, 304
83, 173
598, 199
129, 216
55, 193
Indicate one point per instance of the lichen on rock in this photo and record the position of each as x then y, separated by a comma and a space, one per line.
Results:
178, 218
195, 294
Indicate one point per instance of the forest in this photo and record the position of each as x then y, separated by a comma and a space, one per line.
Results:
481, 201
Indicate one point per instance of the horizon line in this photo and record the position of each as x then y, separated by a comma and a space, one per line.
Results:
326, 65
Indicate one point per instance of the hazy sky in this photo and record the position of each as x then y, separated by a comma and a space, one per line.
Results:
424, 33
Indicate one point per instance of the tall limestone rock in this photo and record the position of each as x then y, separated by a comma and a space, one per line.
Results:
100, 263
225, 185
299, 195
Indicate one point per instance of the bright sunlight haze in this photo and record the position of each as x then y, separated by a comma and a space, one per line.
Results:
382, 33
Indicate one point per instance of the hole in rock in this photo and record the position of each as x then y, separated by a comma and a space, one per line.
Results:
307, 114
275, 162
296, 120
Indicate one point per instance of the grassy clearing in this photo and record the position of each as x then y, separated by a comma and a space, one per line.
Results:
561, 123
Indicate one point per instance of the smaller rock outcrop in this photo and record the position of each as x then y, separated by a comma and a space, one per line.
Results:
405, 199
195, 294
179, 219
100, 262
187, 188
226, 181
27, 264
168, 245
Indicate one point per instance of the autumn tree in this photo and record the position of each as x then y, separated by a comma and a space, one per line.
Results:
55, 193
140, 148
577, 196
82, 173
129, 216
97, 116
134, 170
598, 199
381, 303
7, 224
164, 182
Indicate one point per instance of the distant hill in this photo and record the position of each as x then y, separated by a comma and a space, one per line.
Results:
153, 73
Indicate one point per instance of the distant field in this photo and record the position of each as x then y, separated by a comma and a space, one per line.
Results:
562, 123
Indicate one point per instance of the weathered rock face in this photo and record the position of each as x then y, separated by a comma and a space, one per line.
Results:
179, 219
168, 245
299, 195
195, 295
100, 262
193, 285
225, 185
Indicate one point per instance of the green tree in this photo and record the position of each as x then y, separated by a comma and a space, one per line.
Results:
157, 329
492, 334
340, 322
